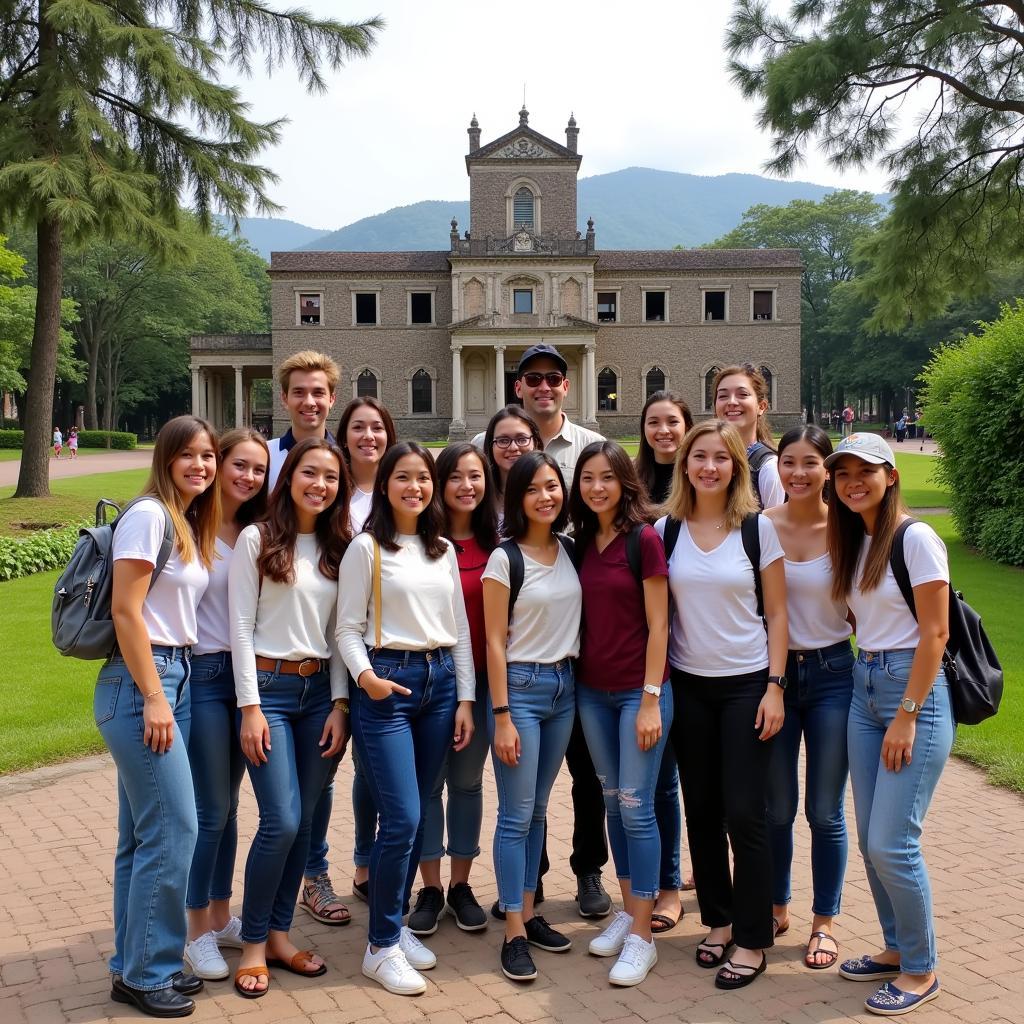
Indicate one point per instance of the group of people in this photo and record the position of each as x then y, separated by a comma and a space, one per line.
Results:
684, 617
58, 442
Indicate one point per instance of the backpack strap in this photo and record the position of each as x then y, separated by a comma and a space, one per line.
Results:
672, 527
633, 553
516, 572
166, 544
898, 563
757, 456
569, 546
750, 534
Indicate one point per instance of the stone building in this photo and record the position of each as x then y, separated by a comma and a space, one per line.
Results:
437, 335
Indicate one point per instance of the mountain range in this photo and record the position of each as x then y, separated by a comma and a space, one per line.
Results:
635, 208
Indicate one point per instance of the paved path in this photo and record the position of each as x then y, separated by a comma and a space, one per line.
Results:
57, 831
108, 462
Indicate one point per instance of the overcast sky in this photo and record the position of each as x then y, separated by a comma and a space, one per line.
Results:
647, 82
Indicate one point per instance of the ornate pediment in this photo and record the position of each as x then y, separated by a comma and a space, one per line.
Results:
523, 143
523, 148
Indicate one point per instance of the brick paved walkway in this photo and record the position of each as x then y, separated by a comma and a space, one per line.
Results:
56, 846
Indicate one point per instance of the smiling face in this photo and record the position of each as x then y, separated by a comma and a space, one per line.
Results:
308, 400
194, 467
464, 489
409, 490
664, 429
709, 465
861, 485
366, 438
802, 470
314, 486
243, 471
542, 401
522, 441
737, 403
544, 498
599, 486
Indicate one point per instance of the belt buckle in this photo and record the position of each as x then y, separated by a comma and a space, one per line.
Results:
309, 667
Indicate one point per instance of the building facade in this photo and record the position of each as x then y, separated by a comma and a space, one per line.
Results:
436, 336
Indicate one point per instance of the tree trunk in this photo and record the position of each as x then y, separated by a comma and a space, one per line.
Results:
34, 474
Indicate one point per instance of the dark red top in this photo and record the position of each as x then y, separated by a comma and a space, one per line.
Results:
613, 655
472, 561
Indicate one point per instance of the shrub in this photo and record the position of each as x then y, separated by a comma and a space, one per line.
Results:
12, 438
974, 408
98, 439
45, 549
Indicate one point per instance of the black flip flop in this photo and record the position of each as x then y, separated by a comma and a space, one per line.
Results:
716, 961
667, 923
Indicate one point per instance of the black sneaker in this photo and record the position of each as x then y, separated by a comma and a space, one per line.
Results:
468, 914
516, 962
538, 898
594, 901
428, 910
540, 934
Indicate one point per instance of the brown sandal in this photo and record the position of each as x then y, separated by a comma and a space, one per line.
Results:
811, 953
252, 972
321, 902
297, 963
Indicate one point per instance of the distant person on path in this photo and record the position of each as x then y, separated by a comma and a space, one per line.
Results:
848, 418
58, 442
73, 442
901, 726
901, 427
142, 709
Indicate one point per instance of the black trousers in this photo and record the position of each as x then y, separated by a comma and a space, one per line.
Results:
724, 771
589, 843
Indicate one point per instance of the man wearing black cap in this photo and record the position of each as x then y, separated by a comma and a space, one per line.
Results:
542, 384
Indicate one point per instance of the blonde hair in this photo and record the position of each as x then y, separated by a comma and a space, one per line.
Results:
195, 527
308, 361
740, 503
760, 388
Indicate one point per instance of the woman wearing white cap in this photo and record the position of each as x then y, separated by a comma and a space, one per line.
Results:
901, 721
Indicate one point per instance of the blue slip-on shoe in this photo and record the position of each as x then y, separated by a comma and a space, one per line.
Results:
890, 1001
863, 968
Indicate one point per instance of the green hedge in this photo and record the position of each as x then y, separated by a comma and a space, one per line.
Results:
45, 549
12, 438
119, 439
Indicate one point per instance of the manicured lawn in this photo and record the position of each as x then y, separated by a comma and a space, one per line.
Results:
919, 488
71, 500
13, 454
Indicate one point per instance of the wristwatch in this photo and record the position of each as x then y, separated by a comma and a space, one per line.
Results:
780, 681
910, 706
650, 688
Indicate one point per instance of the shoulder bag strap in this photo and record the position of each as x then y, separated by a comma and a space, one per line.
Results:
898, 562
672, 527
750, 534
633, 554
376, 594
516, 572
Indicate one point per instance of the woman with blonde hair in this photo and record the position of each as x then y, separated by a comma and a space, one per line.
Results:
142, 710
727, 651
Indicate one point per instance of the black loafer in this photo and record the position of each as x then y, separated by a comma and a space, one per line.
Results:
164, 1002
186, 984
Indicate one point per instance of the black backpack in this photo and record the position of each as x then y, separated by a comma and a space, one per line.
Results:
972, 668
758, 455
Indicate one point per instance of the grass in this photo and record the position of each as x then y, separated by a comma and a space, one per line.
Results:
71, 499
920, 490
13, 454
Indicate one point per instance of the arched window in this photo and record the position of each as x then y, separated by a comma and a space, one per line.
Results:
654, 381
522, 208
709, 385
607, 390
367, 385
770, 381
422, 392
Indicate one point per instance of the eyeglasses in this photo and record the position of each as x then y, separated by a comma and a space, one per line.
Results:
533, 379
520, 441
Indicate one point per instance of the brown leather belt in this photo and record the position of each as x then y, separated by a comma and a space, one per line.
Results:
306, 667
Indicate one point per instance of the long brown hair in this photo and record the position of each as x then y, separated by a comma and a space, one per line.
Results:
633, 510
846, 533
349, 411
760, 388
256, 507
484, 519
279, 529
645, 460
195, 526
740, 503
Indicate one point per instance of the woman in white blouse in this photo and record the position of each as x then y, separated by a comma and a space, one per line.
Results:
282, 589
403, 633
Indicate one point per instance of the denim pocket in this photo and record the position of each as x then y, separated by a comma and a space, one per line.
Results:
840, 664
162, 664
204, 671
104, 701
520, 678
263, 678
898, 672
383, 669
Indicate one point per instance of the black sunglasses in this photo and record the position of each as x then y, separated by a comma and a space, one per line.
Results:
553, 377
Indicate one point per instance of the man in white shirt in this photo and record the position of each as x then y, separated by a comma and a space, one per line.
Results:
308, 381
542, 384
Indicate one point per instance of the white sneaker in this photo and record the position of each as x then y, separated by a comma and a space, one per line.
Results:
389, 968
202, 958
415, 952
612, 939
635, 961
230, 936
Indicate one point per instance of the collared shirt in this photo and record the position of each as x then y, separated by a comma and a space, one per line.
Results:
279, 449
565, 447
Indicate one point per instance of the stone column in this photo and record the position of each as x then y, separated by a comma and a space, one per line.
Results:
499, 376
458, 418
491, 300
204, 394
590, 385
239, 396
196, 391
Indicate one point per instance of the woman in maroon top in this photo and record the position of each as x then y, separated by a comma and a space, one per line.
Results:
465, 486
624, 706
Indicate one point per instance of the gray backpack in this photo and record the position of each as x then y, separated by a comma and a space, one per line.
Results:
80, 616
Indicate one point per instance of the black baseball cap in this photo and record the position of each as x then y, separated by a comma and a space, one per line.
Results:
542, 352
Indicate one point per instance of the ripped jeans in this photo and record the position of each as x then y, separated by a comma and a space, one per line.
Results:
628, 777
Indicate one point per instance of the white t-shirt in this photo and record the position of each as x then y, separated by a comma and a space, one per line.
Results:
545, 622
359, 508
280, 620
770, 484
815, 620
715, 629
884, 622
214, 624
169, 609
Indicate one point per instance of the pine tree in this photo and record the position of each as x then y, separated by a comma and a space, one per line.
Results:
112, 112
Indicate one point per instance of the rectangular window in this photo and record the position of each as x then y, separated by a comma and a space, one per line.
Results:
366, 308
714, 305
607, 306
654, 306
309, 308
764, 304
421, 308
522, 300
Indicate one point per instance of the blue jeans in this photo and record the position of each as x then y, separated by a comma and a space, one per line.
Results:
287, 787
817, 707
543, 702
156, 822
628, 780
463, 771
402, 742
891, 806
217, 764
364, 815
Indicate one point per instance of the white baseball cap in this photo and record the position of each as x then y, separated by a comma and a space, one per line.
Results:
869, 447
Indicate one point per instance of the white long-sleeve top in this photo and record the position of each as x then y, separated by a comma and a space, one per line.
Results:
421, 602
281, 621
